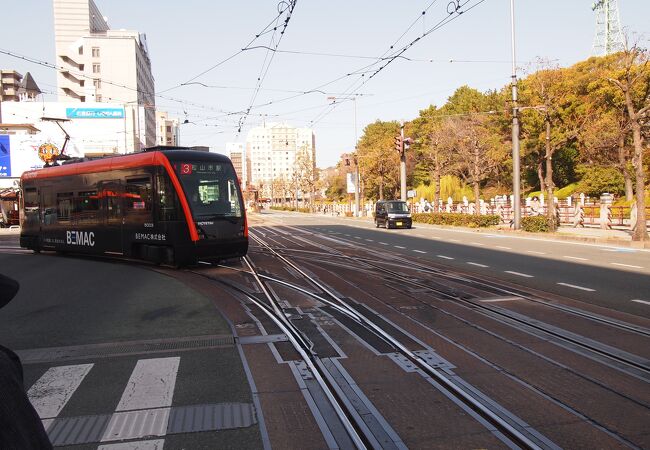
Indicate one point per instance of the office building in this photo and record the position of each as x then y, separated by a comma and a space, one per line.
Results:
104, 65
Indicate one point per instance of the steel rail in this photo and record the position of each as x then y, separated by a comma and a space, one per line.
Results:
506, 314
275, 313
482, 283
483, 411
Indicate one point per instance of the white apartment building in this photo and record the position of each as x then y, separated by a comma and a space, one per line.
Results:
272, 150
167, 129
236, 151
104, 65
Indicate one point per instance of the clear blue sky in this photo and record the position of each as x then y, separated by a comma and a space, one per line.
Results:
185, 38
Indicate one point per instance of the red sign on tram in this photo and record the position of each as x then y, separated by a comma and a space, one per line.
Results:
186, 169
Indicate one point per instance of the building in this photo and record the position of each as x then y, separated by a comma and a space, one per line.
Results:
93, 129
236, 151
277, 153
167, 130
16, 88
104, 65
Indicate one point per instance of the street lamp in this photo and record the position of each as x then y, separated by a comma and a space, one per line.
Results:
516, 171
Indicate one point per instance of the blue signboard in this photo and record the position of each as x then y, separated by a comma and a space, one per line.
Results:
94, 113
5, 156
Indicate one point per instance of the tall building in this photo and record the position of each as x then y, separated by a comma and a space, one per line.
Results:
104, 65
237, 153
273, 149
167, 129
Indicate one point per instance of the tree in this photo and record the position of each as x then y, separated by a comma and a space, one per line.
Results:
478, 151
378, 159
305, 169
556, 121
631, 75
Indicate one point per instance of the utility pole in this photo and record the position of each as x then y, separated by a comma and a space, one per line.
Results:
402, 164
516, 183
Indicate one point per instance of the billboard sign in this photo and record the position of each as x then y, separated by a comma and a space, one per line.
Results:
94, 113
5, 156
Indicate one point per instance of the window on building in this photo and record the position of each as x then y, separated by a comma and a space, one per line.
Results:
95, 52
96, 68
82, 83
97, 83
82, 98
81, 50
81, 67
98, 98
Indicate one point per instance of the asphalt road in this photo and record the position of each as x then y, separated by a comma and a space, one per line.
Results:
612, 277
101, 340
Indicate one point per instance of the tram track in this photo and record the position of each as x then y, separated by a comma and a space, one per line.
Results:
273, 310
623, 361
520, 436
339, 260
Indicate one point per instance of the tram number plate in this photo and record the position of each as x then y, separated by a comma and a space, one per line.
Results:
399, 224
186, 169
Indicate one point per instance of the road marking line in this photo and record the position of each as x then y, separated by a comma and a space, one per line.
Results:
151, 384
419, 251
519, 274
502, 299
357, 237
453, 240
383, 243
369, 240
399, 246
577, 287
52, 391
477, 264
136, 445
536, 253
575, 257
478, 243
503, 247
444, 257
645, 302
627, 265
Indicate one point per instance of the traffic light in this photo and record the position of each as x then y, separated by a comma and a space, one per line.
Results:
399, 145
407, 143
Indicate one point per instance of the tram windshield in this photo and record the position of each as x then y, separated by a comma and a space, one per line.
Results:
211, 189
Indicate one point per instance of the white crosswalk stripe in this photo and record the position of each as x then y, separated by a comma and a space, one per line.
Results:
151, 384
52, 391
138, 445
144, 407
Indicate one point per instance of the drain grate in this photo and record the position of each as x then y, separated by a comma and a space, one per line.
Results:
105, 350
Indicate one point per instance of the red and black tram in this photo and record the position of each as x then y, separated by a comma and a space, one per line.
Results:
172, 206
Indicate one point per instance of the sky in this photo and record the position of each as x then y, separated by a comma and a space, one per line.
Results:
321, 75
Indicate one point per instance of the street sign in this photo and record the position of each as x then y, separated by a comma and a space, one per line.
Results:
411, 193
351, 183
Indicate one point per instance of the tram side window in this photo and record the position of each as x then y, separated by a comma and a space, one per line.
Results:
137, 200
168, 204
64, 206
31, 200
86, 207
48, 205
30, 203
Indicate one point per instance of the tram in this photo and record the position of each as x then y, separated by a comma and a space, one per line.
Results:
172, 206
